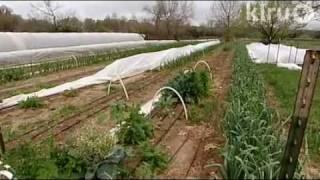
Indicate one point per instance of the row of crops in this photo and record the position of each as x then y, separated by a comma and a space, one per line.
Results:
26, 72
100, 155
253, 149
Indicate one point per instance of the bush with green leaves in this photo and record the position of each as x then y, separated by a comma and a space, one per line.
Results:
191, 85
43, 161
153, 156
134, 127
31, 102
50, 161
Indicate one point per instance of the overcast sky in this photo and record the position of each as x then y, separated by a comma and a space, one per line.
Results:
100, 9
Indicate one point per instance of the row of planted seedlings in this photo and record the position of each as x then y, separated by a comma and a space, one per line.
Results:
138, 152
43, 68
99, 153
254, 146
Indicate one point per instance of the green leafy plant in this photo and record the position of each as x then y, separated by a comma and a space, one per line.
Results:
50, 161
154, 157
144, 171
191, 86
31, 102
44, 161
165, 104
204, 110
134, 127
111, 167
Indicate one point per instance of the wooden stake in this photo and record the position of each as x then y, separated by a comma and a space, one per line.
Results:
308, 80
2, 145
278, 52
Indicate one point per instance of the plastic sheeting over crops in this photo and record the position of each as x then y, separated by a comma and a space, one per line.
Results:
24, 41
283, 56
125, 67
59, 53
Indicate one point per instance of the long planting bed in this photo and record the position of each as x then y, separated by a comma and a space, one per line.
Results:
253, 148
88, 155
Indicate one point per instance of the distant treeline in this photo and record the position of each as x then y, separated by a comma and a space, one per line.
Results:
163, 24
11, 22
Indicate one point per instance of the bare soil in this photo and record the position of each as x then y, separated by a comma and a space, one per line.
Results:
16, 122
193, 146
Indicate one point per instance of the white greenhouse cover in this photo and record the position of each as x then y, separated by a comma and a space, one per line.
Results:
23, 41
58, 53
125, 67
287, 58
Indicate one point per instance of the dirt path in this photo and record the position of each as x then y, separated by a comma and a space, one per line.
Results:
192, 147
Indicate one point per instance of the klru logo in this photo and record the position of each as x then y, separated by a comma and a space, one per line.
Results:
301, 13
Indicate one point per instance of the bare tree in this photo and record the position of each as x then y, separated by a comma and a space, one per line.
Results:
185, 13
225, 14
8, 20
273, 26
172, 14
156, 12
49, 10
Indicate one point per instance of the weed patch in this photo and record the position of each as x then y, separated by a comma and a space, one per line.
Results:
31, 103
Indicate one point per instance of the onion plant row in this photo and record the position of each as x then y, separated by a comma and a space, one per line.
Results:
253, 149
26, 72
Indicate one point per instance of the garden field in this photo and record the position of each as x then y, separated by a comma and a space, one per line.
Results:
228, 118
283, 85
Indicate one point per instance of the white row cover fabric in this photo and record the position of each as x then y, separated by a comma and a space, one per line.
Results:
288, 57
125, 67
147, 107
47, 54
23, 41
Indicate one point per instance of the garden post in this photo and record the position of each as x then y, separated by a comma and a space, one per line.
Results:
268, 53
307, 84
3, 148
290, 53
295, 58
278, 52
